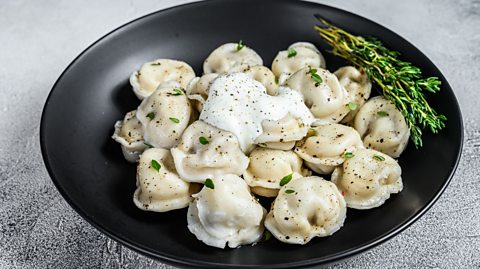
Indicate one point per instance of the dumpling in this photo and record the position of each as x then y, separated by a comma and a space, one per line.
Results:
305, 208
225, 213
282, 134
358, 86
261, 74
268, 167
159, 188
327, 146
206, 152
368, 178
197, 89
297, 56
322, 93
129, 133
230, 55
382, 127
146, 80
164, 115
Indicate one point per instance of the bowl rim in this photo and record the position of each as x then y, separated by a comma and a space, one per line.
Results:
187, 262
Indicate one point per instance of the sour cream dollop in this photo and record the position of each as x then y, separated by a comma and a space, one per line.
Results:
238, 104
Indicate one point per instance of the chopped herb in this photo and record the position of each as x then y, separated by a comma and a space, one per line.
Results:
266, 235
311, 132
263, 145
289, 191
209, 183
276, 80
378, 157
314, 76
240, 45
382, 113
286, 179
352, 106
155, 64
348, 155
177, 92
175, 120
155, 165
292, 52
151, 115
203, 140
148, 145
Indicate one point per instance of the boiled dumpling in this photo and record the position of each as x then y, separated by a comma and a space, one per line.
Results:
297, 56
206, 152
382, 127
225, 213
164, 115
230, 55
129, 133
197, 89
322, 93
327, 146
305, 208
159, 188
282, 134
261, 74
358, 86
146, 80
268, 167
368, 178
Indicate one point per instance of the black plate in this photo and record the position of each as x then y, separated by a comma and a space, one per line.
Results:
89, 171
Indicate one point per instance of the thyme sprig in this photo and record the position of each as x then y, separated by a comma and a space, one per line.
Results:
399, 81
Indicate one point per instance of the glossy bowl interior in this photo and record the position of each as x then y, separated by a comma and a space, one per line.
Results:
89, 170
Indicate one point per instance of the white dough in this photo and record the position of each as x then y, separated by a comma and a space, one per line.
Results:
129, 133
197, 89
314, 208
152, 74
227, 56
382, 127
367, 181
227, 214
196, 162
161, 190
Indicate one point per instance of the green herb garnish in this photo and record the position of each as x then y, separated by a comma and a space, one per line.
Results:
175, 120
291, 52
379, 157
209, 183
155, 165
240, 45
148, 145
203, 140
314, 76
151, 115
286, 179
266, 235
399, 81
276, 80
382, 113
177, 92
348, 155
352, 106
289, 191
155, 64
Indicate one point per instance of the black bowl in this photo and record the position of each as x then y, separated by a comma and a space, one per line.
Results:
93, 92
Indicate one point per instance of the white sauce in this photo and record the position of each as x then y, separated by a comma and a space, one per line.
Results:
238, 104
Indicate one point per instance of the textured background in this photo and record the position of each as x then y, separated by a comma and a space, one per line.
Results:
39, 38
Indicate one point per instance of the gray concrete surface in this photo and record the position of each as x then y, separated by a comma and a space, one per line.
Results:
39, 38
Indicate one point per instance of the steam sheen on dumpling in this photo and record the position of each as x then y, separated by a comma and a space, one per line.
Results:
267, 168
358, 86
226, 214
159, 188
382, 127
164, 115
327, 100
206, 152
305, 208
146, 80
129, 133
327, 146
228, 56
368, 178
